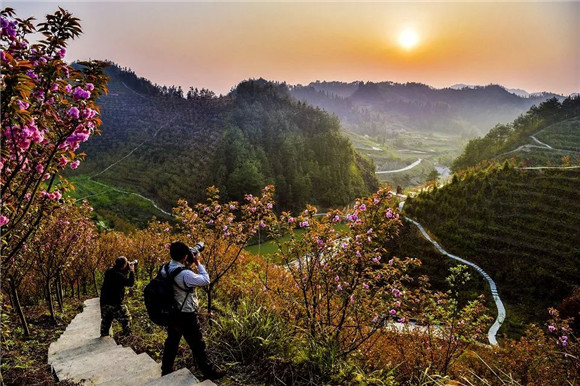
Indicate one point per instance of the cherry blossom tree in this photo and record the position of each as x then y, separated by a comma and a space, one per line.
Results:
339, 288
59, 246
47, 110
225, 228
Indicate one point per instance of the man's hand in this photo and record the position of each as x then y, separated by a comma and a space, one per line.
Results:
131, 267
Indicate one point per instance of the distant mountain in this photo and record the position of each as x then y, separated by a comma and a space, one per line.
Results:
461, 86
379, 109
516, 91
163, 146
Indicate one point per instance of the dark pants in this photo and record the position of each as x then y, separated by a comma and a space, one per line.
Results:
109, 312
184, 324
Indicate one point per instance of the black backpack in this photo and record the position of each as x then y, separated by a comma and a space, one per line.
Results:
159, 299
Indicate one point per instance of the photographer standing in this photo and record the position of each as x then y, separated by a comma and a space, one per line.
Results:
184, 321
112, 294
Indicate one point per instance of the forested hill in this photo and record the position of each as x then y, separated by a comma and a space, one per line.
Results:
377, 109
555, 123
157, 143
513, 208
520, 226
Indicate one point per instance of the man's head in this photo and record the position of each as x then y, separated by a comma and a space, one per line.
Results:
121, 263
178, 250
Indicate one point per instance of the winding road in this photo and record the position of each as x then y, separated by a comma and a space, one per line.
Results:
403, 169
491, 334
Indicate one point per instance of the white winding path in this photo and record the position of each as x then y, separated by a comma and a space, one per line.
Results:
403, 169
491, 334
541, 143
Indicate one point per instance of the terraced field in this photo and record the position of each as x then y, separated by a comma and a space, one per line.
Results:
561, 141
521, 226
564, 135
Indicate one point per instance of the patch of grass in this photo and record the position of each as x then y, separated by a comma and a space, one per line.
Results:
115, 206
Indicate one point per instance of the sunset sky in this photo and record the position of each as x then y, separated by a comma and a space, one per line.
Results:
534, 46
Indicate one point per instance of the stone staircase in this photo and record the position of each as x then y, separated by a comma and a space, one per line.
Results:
81, 355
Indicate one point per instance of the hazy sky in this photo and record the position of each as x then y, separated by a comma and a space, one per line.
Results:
529, 45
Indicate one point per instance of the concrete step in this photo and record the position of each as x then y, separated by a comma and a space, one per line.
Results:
120, 372
145, 370
69, 341
181, 377
103, 361
80, 355
66, 343
91, 347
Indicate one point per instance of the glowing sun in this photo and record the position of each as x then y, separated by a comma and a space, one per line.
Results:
408, 39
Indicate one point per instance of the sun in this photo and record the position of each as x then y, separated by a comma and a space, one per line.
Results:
408, 39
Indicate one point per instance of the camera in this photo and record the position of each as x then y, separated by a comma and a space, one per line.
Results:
134, 262
197, 248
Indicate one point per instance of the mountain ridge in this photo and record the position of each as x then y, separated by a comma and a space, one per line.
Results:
162, 145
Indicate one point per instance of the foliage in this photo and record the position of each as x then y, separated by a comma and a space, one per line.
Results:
225, 228
498, 217
174, 148
336, 308
336, 290
150, 246
48, 109
504, 138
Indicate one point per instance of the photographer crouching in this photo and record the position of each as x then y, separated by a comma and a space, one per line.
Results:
121, 275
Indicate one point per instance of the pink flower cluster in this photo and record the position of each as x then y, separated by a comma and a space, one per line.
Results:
19, 139
4, 220
8, 28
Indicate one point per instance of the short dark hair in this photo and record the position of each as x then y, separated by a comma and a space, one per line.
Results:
177, 250
120, 262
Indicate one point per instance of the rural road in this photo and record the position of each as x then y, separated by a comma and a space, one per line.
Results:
403, 169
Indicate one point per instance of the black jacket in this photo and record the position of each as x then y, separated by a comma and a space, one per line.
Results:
114, 283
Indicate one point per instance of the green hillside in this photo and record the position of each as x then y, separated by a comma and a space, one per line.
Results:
520, 226
163, 145
556, 125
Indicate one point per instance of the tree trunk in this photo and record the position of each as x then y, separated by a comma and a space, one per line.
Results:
95, 283
85, 290
72, 288
49, 301
78, 289
18, 308
209, 300
58, 283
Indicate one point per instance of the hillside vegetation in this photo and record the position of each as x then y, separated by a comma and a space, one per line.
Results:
558, 123
520, 226
163, 146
